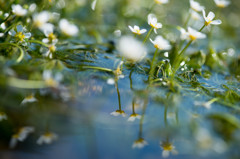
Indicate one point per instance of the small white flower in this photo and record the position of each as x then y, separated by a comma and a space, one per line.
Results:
1, 35
67, 28
32, 7
93, 5
131, 49
195, 15
161, 43
21, 135
50, 80
40, 20
209, 19
191, 34
51, 38
140, 143
133, 117
196, 6
137, 30
18, 10
110, 81
152, 21
222, 3
167, 148
118, 112
47, 138
3, 116
117, 33
29, 99
203, 104
20, 35
161, 1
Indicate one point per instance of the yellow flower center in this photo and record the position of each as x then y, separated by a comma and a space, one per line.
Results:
51, 37
20, 36
52, 48
221, 5
29, 97
158, 2
192, 37
51, 82
154, 26
120, 111
118, 71
208, 22
138, 31
48, 134
167, 146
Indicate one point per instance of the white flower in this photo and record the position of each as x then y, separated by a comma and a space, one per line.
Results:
20, 35
51, 38
93, 5
3, 116
117, 33
133, 117
152, 21
32, 7
50, 80
161, 1
140, 143
131, 49
18, 10
195, 15
118, 112
67, 28
191, 34
209, 19
29, 99
21, 135
110, 81
47, 138
161, 43
196, 6
136, 30
41, 19
222, 3
167, 148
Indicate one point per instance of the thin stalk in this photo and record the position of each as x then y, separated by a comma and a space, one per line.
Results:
19, 59
97, 68
147, 35
142, 117
38, 42
187, 20
119, 97
133, 106
152, 66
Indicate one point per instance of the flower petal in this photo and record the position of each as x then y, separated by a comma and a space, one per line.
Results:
211, 15
216, 22
19, 28
27, 35
12, 32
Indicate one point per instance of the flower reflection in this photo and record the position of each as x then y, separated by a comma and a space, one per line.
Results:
29, 99
140, 143
167, 148
47, 138
133, 117
21, 135
3, 116
118, 112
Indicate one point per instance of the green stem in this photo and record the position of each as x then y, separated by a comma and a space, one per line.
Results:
97, 68
142, 117
119, 97
187, 20
165, 115
19, 59
38, 42
152, 66
133, 105
147, 35
26, 84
